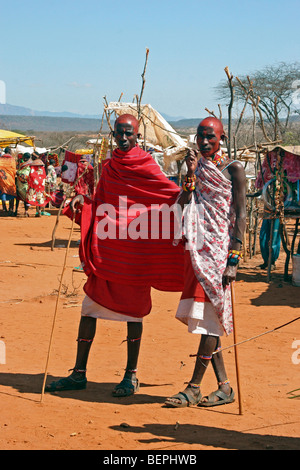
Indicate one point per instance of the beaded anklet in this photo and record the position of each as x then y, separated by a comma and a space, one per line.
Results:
131, 340
226, 382
202, 356
80, 371
193, 385
132, 371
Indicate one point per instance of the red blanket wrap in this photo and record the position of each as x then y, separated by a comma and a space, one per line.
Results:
136, 177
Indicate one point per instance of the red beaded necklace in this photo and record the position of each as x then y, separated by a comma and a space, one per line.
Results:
219, 159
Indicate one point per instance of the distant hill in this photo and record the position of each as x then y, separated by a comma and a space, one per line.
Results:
12, 110
25, 119
63, 124
29, 124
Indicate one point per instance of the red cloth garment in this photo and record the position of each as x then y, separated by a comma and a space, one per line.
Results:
36, 195
71, 160
127, 299
291, 166
137, 179
57, 198
192, 287
85, 185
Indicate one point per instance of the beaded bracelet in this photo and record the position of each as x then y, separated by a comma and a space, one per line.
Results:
189, 183
234, 257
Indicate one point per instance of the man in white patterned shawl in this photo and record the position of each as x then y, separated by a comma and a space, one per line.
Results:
213, 199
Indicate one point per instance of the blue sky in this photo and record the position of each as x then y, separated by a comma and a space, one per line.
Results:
66, 55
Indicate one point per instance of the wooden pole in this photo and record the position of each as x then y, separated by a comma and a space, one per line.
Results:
231, 87
56, 307
143, 84
236, 351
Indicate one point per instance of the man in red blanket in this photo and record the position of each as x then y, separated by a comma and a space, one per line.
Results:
123, 250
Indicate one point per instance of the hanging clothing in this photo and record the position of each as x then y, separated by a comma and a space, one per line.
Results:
264, 239
7, 177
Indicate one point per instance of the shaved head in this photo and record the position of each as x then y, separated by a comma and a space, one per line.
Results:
213, 123
210, 132
126, 132
128, 119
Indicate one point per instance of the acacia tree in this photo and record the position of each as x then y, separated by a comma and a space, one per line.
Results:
272, 91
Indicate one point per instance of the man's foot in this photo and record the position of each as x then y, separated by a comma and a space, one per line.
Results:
265, 266
189, 397
75, 381
78, 269
127, 387
219, 397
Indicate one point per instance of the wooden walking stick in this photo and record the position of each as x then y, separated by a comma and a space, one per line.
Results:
235, 350
56, 306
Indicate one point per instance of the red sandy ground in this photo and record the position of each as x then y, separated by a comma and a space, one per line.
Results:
92, 419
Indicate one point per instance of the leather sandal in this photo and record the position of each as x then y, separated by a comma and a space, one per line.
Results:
66, 383
184, 400
223, 399
126, 388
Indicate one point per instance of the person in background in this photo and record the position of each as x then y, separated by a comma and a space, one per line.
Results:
22, 182
36, 194
8, 191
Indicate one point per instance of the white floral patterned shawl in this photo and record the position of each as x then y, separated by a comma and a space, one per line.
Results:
208, 224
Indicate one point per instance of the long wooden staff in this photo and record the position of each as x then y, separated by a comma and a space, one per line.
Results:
56, 307
236, 351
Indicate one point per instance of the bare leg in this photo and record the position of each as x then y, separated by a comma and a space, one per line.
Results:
17, 206
26, 207
77, 379
207, 346
192, 393
129, 383
86, 334
4, 206
11, 206
134, 331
